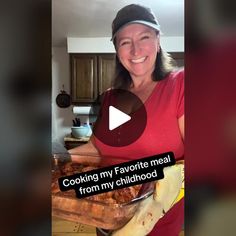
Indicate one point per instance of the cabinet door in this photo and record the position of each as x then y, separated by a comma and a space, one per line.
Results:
83, 78
106, 70
179, 58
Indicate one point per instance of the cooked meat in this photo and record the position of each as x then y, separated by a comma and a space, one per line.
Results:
118, 196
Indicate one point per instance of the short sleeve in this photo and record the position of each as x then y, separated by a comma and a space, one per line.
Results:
180, 94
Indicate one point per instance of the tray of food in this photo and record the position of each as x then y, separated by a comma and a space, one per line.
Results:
110, 210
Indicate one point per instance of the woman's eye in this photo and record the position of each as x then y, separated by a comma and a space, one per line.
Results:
124, 43
145, 37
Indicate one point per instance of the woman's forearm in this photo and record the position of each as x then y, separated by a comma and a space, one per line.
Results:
85, 154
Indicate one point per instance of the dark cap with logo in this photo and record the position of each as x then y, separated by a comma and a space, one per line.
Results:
131, 14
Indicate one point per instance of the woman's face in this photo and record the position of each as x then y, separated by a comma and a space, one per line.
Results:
137, 46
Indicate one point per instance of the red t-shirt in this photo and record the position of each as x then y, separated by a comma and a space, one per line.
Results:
164, 106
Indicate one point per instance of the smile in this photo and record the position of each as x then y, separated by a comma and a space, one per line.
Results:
139, 60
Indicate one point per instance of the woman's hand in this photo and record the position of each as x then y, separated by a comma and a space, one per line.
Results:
167, 191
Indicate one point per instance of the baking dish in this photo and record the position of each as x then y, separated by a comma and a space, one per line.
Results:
103, 215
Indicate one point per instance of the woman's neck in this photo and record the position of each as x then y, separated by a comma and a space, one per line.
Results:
139, 83
142, 88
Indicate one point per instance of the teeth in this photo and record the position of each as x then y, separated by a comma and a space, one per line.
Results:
140, 60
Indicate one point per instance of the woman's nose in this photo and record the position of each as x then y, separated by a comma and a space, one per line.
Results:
135, 49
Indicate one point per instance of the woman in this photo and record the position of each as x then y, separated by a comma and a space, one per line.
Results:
145, 70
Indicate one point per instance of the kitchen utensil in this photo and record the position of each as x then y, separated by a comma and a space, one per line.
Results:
76, 122
63, 99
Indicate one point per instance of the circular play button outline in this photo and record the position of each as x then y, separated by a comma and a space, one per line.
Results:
121, 103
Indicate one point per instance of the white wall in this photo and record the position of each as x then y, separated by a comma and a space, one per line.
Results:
61, 117
104, 45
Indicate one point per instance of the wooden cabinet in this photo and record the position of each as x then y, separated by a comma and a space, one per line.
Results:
91, 74
106, 70
179, 58
83, 78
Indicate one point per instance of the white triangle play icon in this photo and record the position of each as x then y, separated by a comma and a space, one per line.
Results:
117, 118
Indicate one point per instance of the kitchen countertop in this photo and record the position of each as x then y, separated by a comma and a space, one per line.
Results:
70, 138
72, 142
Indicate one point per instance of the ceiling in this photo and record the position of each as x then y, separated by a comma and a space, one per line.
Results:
93, 18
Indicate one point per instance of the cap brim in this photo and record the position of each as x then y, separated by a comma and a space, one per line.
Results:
149, 24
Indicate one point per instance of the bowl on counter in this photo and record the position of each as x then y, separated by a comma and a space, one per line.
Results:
79, 131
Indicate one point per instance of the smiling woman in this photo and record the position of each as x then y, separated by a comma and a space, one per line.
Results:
137, 49
144, 69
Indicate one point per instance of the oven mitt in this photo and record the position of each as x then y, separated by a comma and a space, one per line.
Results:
168, 191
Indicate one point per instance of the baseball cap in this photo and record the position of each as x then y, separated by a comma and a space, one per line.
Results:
134, 13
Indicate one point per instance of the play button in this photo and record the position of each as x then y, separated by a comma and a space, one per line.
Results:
117, 118
120, 118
